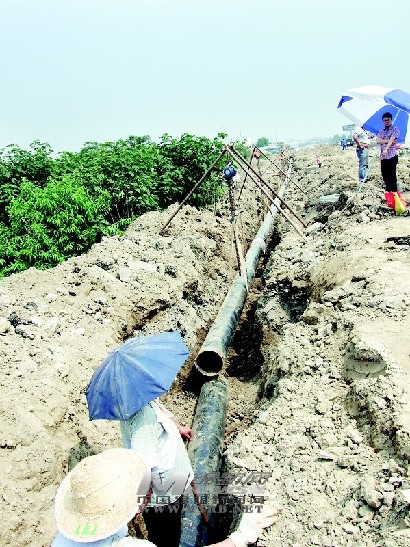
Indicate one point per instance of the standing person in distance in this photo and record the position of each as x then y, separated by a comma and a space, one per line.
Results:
361, 139
387, 138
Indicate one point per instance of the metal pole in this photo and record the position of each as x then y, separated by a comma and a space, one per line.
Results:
280, 210
237, 242
239, 157
194, 188
295, 226
281, 170
246, 174
272, 200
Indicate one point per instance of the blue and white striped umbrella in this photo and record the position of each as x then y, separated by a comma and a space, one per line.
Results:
366, 105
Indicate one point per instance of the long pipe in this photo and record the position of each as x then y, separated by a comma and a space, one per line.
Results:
210, 413
216, 344
205, 454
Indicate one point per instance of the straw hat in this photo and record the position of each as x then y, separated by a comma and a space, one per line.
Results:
101, 495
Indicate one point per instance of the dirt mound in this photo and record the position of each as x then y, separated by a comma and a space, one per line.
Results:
57, 326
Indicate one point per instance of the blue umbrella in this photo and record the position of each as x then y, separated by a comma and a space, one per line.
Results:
366, 105
134, 374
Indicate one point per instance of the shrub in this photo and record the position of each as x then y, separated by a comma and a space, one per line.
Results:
50, 224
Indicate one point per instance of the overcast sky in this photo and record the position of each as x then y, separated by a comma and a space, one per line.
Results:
95, 70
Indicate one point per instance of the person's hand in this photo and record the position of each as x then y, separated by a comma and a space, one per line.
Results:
186, 432
384, 152
252, 524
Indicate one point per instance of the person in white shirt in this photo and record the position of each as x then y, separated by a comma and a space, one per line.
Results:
362, 141
97, 499
156, 437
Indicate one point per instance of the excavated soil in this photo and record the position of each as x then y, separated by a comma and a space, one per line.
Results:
317, 373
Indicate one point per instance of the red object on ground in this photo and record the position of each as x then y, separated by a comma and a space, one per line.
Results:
389, 197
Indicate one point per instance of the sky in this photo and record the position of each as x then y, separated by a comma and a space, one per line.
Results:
74, 71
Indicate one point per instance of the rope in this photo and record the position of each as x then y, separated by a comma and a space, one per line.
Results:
198, 502
238, 247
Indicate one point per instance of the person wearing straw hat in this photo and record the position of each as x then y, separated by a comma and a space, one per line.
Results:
125, 387
97, 499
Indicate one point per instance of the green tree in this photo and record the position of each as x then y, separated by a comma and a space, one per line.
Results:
262, 141
34, 165
54, 208
126, 169
184, 162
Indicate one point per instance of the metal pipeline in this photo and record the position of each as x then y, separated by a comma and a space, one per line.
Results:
217, 342
210, 414
205, 454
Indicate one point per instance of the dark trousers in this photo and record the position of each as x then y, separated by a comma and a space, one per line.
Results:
388, 168
164, 524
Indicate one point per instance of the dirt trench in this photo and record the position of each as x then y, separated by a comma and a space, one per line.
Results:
317, 397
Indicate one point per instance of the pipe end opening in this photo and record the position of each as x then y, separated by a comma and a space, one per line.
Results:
209, 363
